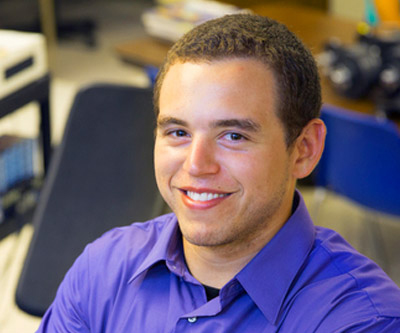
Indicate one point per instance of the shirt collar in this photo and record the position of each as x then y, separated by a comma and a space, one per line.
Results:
269, 275
167, 247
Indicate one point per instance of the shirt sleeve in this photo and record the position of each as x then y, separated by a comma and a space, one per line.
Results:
69, 310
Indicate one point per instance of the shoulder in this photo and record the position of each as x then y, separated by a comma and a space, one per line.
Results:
135, 234
129, 242
344, 285
120, 251
338, 289
101, 273
363, 274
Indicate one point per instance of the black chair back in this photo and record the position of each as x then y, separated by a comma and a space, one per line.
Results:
100, 177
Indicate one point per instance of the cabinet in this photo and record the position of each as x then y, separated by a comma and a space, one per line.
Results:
35, 91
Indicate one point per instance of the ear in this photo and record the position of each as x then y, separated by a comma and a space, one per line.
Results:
308, 148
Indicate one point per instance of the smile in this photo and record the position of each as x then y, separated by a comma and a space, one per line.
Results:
204, 196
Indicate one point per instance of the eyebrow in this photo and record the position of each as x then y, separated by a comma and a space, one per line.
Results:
165, 121
244, 124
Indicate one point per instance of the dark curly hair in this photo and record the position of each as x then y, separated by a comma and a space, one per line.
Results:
263, 39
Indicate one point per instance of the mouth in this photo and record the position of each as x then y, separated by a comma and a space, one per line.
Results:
204, 196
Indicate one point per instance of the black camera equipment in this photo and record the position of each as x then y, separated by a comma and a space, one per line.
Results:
370, 68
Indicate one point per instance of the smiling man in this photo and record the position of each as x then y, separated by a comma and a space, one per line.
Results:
222, 162
237, 104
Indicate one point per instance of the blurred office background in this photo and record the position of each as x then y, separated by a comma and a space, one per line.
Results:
79, 58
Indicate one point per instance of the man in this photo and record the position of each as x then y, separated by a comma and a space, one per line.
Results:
237, 104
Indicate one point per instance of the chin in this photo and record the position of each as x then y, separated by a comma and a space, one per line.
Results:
208, 239
200, 232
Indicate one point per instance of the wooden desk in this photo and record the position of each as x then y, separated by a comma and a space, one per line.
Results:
143, 51
313, 26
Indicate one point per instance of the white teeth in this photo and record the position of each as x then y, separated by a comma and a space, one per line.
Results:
203, 196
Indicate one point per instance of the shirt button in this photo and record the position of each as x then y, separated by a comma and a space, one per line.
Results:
192, 320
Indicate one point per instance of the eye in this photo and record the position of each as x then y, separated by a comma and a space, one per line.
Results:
178, 133
234, 136
174, 137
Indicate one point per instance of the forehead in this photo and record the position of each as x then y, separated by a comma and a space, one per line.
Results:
221, 86
234, 68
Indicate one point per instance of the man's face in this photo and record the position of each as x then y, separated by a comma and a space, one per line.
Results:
221, 161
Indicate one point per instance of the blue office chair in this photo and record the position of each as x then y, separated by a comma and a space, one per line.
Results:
100, 177
361, 160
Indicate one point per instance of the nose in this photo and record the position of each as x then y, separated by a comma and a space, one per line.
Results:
201, 158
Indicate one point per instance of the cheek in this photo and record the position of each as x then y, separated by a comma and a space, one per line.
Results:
255, 174
160, 165
166, 164
261, 172
248, 170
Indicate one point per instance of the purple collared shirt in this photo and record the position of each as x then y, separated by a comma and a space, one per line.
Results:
306, 279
